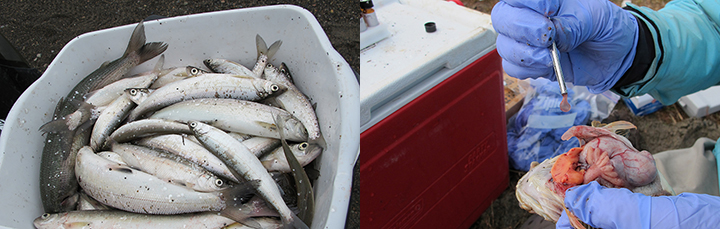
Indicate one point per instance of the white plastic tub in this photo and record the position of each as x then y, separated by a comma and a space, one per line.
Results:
318, 70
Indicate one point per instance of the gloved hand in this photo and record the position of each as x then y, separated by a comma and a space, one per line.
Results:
602, 207
596, 39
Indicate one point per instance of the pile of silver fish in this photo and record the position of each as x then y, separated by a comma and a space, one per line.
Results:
180, 147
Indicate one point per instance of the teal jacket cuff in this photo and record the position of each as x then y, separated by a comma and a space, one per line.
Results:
687, 47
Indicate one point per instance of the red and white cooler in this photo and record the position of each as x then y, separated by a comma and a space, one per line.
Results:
433, 151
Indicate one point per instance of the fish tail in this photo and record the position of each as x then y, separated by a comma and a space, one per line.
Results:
69, 122
236, 210
137, 39
137, 44
150, 50
261, 46
273, 49
55, 126
295, 222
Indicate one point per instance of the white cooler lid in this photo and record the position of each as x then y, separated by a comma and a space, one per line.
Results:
410, 61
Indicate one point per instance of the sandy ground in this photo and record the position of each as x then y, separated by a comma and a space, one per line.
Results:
667, 129
39, 29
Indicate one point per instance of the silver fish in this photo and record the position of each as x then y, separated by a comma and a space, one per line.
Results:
147, 127
57, 153
109, 120
87, 203
132, 190
236, 116
171, 75
206, 86
276, 161
293, 100
169, 167
244, 164
190, 150
264, 54
112, 156
260, 146
229, 67
138, 95
305, 193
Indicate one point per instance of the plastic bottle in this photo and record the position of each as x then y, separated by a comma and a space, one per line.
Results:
369, 13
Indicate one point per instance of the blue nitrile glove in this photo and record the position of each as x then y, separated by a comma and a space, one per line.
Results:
596, 39
602, 207
687, 47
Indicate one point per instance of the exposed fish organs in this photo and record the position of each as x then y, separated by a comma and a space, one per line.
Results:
190, 150
169, 167
132, 190
236, 116
293, 100
206, 86
57, 151
244, 164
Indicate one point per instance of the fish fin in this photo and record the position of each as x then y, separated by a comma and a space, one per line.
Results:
261, 46
151, 49
105, 64
234, 208
273, 49
137, 39
77, 225
267, 125
159, 65
55, 126
295, 223
71, 121
306, 197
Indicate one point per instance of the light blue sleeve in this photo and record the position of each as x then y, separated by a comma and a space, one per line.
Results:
716, 152
687, 50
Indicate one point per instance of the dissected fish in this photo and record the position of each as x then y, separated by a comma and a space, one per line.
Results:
603, 156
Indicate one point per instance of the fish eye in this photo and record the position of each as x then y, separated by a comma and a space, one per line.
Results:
45, 216
133, 91
193, 124
303, 146
274, 87
282, 70
269, 65
194, 71
219, 182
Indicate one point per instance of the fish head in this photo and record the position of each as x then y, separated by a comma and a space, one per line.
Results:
48, 220
192, 71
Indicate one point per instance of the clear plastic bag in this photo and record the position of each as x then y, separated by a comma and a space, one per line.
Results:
534, 133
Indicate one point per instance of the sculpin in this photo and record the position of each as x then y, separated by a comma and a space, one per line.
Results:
57, 177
